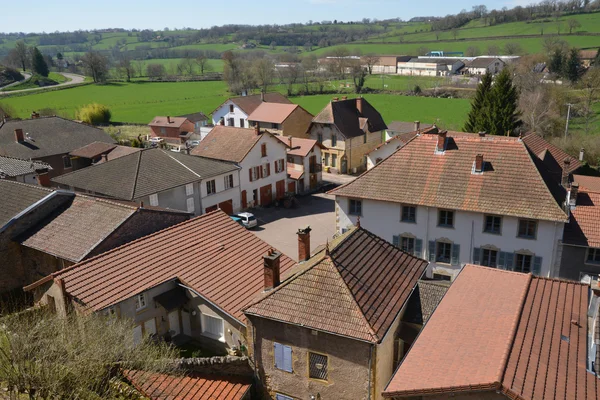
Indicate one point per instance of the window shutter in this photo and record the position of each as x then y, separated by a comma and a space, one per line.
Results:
510, 261
432, 250
502, 260
396, 241
455, 254
419, 248
250, 171
261, 171
476, 255
287, 358
268, 169
537, 265
278, 356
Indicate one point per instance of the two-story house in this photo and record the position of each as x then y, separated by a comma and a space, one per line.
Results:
190, 280
235, 111
47, 139
465, 198
348, 129
303, 164
162, 178
260, 155
283, 119
483, 65
333, 329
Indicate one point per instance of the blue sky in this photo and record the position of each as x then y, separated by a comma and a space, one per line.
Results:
63, 15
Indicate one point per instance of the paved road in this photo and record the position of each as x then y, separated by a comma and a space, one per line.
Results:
337, 178
278, 226
25, 75
74, 79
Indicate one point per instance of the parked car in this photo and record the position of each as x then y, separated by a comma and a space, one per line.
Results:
237, 219
193, 143
248, 220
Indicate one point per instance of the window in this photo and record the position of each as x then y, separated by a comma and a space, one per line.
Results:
228, 181
263, 149
489, 258
523, 263
163, 131
493, 224
154, 200
140, 301
283, 357
409, 214
407, 244
355, 207
266, 170
210, 187
231, 122
189, 189
274, 126
241, 122
333, 140
593, 256
279, 396
446, 218
67, 162
527, 228
442, 277
212, 327
326, 158
444, 252
334, 160
320, 138
317, 366
279, 166
191, 207
254, 173
231, 108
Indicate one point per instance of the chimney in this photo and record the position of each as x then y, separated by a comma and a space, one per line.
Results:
482, 134
290, 141
222, 121
188, 150
359, 104
344, 97
43, 177
335, 98
581, 154
141, 204
573, 194
168, 119
104, 157
441, 142
417, 125
479, 163
303, 244
19, 135
565, 173
34, 115
271, 267
256, 129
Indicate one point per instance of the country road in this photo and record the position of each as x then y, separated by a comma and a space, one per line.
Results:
25, 75
74, 80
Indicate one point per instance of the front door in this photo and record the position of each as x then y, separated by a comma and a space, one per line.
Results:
313, 181
186, 322
266, 195
244, 200
280, 189
344, 165
174, 327
292, 187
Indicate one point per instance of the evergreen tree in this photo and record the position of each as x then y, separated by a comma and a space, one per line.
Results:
572, 65
503, 98
557, 60
476, 121
38, 63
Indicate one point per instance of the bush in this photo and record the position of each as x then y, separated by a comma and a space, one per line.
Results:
94, 114
417, 89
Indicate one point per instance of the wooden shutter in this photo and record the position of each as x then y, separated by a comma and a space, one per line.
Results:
537, 265
287, 358
278, 356
250, 171
419, 248
432, 250
268, 169
476, 255
396, 241
455, 254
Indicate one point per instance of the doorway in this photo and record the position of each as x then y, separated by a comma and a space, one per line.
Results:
174, 326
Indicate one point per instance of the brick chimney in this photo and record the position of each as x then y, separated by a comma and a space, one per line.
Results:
344, 97
359, 104
271, 269
482, 134
417, 125
303, 244
104, 157
290, 141
573, 194
34, 115
565, 173
256, 129
336, 98
479, 163
43, 177
441, 142
168, 119
19, 135
262, 96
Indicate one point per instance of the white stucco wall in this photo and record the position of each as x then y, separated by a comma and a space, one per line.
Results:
222, 194
383, 152
383, 219
223, 112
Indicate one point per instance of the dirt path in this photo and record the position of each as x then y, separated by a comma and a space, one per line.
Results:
74, 80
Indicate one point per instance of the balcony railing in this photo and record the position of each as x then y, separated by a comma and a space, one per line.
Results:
315, 168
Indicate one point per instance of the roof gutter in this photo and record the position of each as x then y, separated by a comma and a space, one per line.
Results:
35, 205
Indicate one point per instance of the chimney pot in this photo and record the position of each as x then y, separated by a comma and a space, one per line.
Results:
344, 97
573, 194
335, 98
141, 204
359, 104
105, 157
479, 163
168, 119
303, 244
441, 142
34, 115
417, 125
271, 269
581, 154
482, 134
290, 141
43, 177
19, 135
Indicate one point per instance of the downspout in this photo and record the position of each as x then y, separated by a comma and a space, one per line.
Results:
372, 368
427, 237
472, 241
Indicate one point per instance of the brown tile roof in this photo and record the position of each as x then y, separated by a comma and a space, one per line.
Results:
176, 122
274, 113
551, 156
249, 103
120, 151
588, 54
191, 386
195, 117
501, 331
216, 252
583, 228
93, 150
415, 174
13, 167
344, 114
299, 146
587, 183
356, 291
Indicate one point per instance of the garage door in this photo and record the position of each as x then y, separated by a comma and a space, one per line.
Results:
227, 207
266, 195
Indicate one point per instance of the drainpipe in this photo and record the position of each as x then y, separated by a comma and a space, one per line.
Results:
427, 235
472, 241
371, 369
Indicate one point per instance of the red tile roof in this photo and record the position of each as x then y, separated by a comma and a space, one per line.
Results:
357, 291
208, 253
299, 146
583, 228
587, 183
415, 174
249, 103
274, 113
552, 156
227, 143
93, 150
192, 386
501, 331
176, 122
294, 174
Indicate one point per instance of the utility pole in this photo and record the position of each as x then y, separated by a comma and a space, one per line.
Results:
568, 116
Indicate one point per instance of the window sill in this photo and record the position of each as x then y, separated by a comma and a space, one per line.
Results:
408, 222
526, 237
493, 233
592, 263
446, 226
318, 380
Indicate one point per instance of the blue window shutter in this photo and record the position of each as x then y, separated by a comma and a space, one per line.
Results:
419, 248
278, 356
455, 254
476, 255
287, 358
502, 260
510, 261
396, 241
432, 250
537, 265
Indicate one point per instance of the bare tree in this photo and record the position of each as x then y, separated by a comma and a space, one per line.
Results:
186, 66
437, 35
340, 61
96, 65
493, 50
590, 89
513, 48
472, 51
572, 23
155, 71
263, 70
203, 63
22, 54
455, 33
289, 76
125, 67
359, 74
371, 60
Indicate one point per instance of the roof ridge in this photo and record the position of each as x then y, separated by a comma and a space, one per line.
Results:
29, 185
137, 172
182, 164
106, 200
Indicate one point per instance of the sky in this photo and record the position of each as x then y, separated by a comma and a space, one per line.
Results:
70, 15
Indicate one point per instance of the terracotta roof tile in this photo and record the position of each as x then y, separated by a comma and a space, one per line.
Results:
274, 113
215, 253
399, 127
299, 146
227, 143
93, 150
250, 103
192, 386
176, 122
415, 174
583, 228
357, 291
552, 156
587, 183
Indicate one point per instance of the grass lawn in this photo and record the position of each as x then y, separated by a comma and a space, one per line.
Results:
55, 76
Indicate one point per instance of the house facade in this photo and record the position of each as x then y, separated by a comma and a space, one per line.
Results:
483, 65
348, 129
235, 111
429, 66
282, 119
443, 198
304, 167
387, 64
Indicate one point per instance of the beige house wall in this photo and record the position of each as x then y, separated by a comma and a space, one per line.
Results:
384, 360
359, 147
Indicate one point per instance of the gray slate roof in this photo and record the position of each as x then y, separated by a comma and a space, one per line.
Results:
483, 62
195, 117
13, 167
143, 173
16, 197
48, 136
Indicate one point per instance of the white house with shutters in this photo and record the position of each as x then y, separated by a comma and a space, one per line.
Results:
235, 111
461, 198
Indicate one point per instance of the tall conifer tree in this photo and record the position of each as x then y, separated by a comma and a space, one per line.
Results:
503, 112
476, 121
